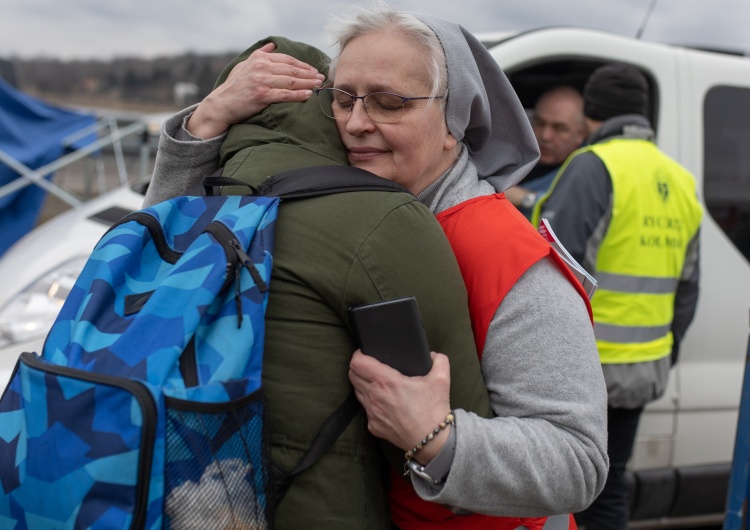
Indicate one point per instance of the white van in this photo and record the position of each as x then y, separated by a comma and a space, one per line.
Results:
701, 112
700, 109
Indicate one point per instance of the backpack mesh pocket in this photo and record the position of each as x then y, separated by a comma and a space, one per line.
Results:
217, 465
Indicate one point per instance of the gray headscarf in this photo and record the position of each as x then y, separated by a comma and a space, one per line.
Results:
493, 125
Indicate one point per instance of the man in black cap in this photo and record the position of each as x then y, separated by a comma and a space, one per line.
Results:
629, 214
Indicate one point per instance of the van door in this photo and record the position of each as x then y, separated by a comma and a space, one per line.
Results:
715, 112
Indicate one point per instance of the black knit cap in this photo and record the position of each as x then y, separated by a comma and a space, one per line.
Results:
613, 90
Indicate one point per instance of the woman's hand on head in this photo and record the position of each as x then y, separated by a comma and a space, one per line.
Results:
401, 409
253, 84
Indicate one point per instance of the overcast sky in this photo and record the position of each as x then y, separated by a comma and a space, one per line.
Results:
83, 29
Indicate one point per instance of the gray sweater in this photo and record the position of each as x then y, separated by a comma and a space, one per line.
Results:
545, 452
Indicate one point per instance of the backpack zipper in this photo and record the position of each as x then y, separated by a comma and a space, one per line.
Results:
236, 255
236, 258
229, 243
148, 436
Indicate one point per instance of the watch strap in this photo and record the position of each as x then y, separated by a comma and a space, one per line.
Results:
529, 199
437, 469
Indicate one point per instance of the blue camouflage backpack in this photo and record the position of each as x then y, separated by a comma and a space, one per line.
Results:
146, 409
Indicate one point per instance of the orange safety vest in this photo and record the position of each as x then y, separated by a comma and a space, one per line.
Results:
494, 245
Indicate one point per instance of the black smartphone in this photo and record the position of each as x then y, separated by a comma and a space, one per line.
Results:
392, 332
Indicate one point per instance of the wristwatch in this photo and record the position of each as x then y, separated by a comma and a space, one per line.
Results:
440, 465
529, 199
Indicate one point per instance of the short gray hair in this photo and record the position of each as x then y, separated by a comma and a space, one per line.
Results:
381, 17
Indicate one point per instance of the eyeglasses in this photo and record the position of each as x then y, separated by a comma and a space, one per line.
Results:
382, 107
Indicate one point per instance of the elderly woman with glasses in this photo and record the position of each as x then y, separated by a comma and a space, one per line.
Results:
419, 101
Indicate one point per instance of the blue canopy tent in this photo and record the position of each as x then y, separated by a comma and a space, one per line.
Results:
33, 134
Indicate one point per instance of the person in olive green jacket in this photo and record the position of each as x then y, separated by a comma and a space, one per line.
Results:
333, 252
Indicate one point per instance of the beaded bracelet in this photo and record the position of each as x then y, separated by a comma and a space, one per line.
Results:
429, 436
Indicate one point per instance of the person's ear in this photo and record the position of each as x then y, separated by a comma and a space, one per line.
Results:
450, 141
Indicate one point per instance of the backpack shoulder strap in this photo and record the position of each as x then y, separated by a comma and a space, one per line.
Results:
333, 427
324, 180
309, 182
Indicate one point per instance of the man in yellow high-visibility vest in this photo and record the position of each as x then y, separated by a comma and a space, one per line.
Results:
630, 215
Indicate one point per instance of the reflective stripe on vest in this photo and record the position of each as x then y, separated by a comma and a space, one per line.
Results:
635, 285
655, 215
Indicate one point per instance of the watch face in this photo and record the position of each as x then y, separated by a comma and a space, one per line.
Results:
420, 472
528, 200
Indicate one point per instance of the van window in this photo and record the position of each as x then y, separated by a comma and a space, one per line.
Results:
726, 180
532, 80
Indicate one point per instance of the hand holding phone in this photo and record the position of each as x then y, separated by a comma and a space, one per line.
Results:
392, 332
